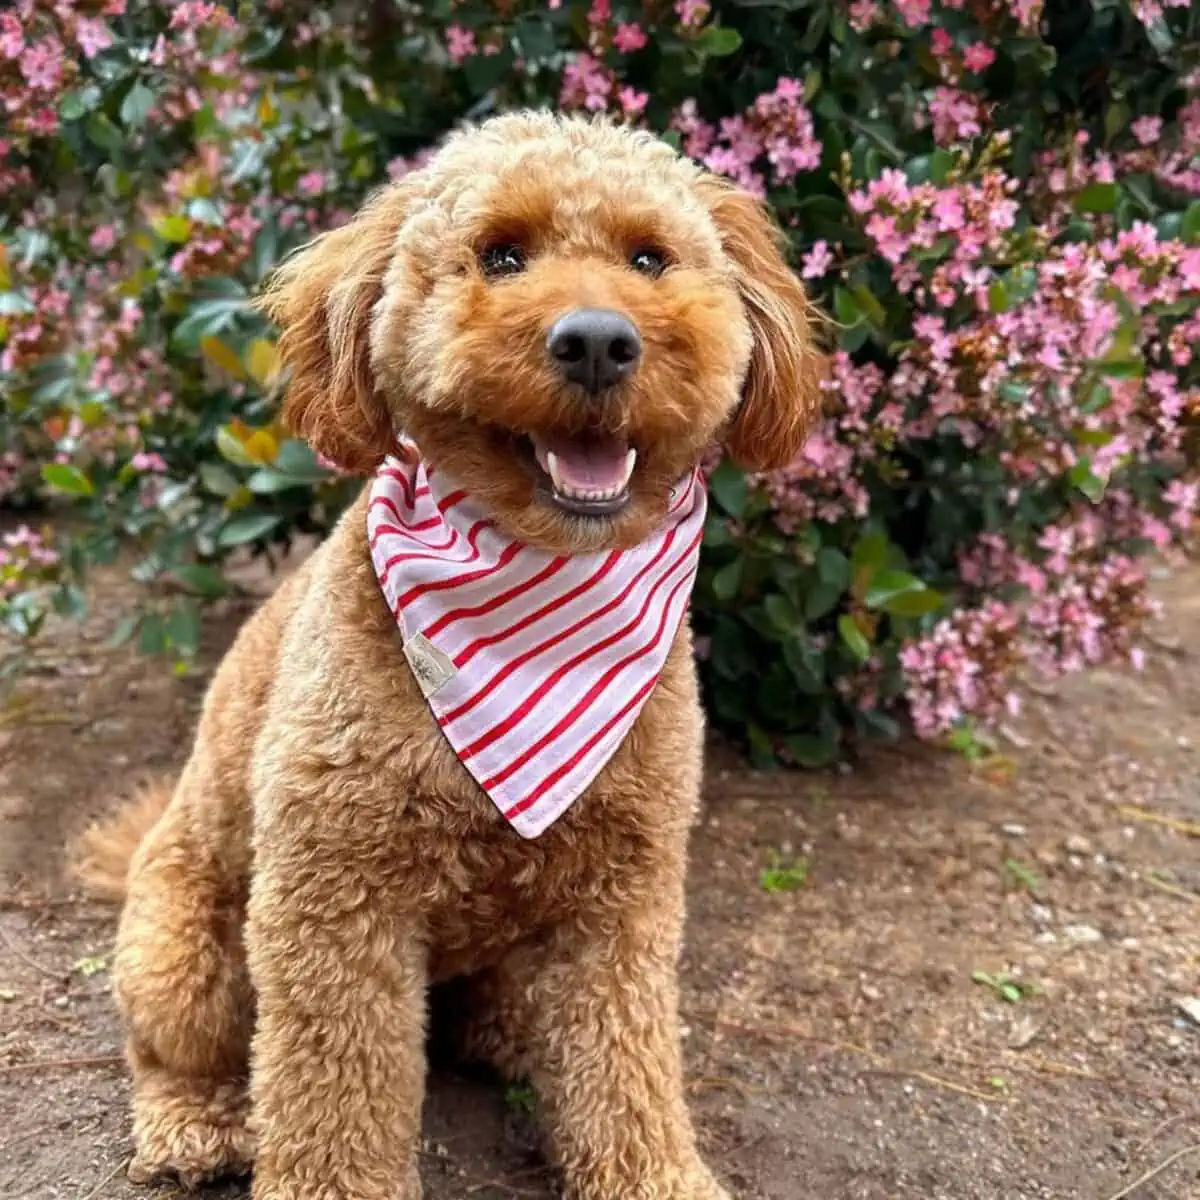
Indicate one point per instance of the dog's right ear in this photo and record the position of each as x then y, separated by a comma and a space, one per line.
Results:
322, 298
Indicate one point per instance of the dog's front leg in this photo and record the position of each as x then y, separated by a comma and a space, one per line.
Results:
607, 1062
338, 1062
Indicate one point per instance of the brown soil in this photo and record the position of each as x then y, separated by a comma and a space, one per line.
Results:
837, 1046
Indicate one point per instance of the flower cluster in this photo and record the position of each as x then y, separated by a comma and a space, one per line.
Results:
26, 559
1013, 402
775, 133
963, 668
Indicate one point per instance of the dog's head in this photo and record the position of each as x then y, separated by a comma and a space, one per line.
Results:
563, 314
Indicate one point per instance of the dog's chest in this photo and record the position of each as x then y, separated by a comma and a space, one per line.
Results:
486, 887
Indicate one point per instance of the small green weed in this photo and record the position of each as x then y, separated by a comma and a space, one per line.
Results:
1010, 989
783, 874
521, 1098
91, 964
973, 743
1022, 876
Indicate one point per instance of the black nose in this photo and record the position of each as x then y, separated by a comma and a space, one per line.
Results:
594, 347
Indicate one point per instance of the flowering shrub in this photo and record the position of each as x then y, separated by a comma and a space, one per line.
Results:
996, 200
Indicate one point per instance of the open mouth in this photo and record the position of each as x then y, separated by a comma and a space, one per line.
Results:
586, 474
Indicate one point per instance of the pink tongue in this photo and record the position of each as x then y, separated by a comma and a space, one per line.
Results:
593, 463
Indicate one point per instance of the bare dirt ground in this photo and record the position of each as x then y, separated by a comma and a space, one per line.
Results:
838, 1046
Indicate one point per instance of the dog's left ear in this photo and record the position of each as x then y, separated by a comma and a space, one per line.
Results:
781, 399
322, 299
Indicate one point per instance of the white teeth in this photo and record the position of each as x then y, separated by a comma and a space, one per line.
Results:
554, 470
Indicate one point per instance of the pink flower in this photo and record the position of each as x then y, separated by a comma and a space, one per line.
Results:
957, 115
864, 14
460, 44
1147, 130
633, 102
629, 38
692, 13
817, 261
12, 37
586, 83
978, 57
914, 13
941, 43
92, 36
1026, 12
103, 239
311, 183
146, 461
42, 65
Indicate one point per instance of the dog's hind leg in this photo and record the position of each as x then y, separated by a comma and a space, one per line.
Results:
182, 985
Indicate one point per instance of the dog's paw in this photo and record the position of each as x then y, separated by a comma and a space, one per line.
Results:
696, 1184
703, 1186
193, 1143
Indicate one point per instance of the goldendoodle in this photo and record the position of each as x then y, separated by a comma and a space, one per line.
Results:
463, 741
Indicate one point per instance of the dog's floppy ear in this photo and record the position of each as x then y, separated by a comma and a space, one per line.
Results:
322, 298
781, 399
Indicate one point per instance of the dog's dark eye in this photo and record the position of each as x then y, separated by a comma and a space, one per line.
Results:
648, 262
507, 258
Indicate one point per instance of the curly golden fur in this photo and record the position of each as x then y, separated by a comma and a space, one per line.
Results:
324, 858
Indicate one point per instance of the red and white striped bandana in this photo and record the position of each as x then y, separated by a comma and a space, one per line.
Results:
535, 665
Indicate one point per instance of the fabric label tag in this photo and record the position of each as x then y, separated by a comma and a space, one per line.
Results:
432, 668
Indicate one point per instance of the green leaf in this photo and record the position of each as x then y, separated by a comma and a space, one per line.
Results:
914, 604
886, 585
727, 485
833, 568
183, 628
222, 356
1099, 398
103, 132
247, 527
207, 318
76, 104
871, 550
137, 105
728, 580
1189, 229
853, 637
536, 39
718, 41
218, 479
153, 637
941, 163
125, 628
202, 579
1116, 117
175, 228
486, 71
782, 613
998, 299
810, 751
868, 303
821, 600
1118, 368
205, 211
232, 450
267, 481
1097, 198
296, 458
1082, 477
13, 304
62, 477
845, 307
